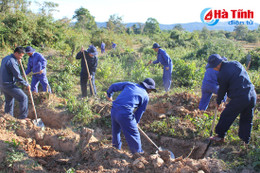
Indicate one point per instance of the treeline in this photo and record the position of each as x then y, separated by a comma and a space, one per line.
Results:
20, 26
189, 50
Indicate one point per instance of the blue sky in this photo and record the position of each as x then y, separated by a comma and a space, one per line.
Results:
164, 11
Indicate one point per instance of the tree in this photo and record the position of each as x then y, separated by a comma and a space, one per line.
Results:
48, 7
115, 23
205, 33
252, 37
241, 32
17, 29
13, 5
138, 28
152, 26
180, 37
130, 30
178, 27
84, 19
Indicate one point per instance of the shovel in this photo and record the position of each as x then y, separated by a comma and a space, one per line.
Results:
158, 148
38, 122
86, 63
211, 132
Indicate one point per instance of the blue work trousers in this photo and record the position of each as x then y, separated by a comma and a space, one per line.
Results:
125, 121
40, 78
207, 92
167, 78
83, 83
243, 106
11, 93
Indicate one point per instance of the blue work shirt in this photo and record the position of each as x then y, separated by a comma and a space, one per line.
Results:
10, 72
103, 46
132, 96
233, 80
114, 45
163, 58
92, 63
210, 78
36, 63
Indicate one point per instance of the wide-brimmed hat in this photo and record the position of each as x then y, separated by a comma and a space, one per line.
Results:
214, 60
92, 50
29, 49
156, 45
149, 83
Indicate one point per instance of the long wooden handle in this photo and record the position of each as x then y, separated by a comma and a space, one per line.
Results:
211, 132
248, 65
147, 137
214, 119
30, 93
36, 73
91, 86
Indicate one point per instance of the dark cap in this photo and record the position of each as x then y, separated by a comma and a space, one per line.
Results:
92, 50
29, 49
214, 60
156, 45
149, 83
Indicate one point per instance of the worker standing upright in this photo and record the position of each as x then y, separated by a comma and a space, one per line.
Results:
37, 64
102, 47
92, 61
114, 45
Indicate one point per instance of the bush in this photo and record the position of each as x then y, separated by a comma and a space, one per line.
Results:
251, 38
186, 73
221, 46
255, 79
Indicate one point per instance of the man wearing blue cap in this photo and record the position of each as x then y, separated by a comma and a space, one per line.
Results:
9, 75
103, 45
166, 61
133, 96
209, 86
37, 64
233, 80
92, 61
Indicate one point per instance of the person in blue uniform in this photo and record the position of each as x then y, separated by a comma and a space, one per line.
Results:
92, 61
233, 80
113, 45
123, 117
209, 86
165, 60
103, 45
37, 65
9, 75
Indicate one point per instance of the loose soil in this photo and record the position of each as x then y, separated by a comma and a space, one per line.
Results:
60, 147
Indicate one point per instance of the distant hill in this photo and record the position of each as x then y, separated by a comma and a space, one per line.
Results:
192, 26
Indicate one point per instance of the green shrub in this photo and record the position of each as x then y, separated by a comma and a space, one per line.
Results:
255, 59
222, 46
255, 79
186, 73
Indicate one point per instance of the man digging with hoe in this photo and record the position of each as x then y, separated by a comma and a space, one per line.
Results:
233, 80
